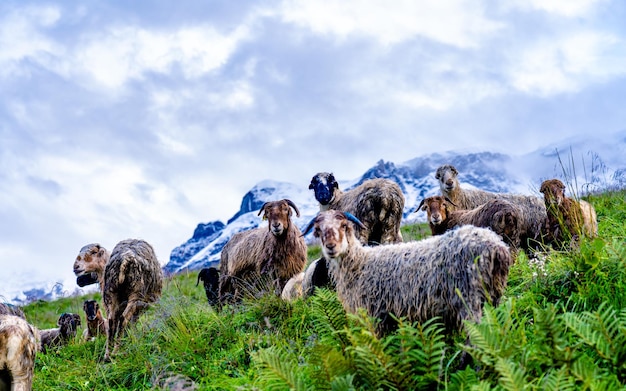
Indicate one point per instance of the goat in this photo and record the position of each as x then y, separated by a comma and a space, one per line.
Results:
532, 209
130, 278
501, 216
278, 251
96, 323
59, 336
378, 203
19, 342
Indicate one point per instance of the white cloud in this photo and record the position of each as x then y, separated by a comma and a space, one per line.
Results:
451, 22
567, 8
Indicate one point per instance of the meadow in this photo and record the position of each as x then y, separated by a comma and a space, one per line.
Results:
560, 326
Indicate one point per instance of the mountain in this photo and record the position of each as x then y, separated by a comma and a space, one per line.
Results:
590, 165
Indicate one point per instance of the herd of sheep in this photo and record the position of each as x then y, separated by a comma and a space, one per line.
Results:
475, 239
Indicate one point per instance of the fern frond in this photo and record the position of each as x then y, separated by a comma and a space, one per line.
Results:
279, 370
343, 383
512, 376
329, 317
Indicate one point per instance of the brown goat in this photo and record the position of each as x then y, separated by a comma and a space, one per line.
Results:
68, 324
278, 251
96, 323
378, 203
18, 348
130, 278
566, 219
501, 216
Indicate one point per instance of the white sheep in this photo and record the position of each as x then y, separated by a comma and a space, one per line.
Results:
450, 276
532, 208
293, 288
59, 336
18, 348
130, 278
499, 215
277, 251
303, 285
378, 203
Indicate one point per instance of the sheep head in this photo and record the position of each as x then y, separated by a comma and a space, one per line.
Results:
324, 185
436, 208
447, 177
91, 259
553, 192
208, 275
91, 309
278, 215
335, 230
68, 323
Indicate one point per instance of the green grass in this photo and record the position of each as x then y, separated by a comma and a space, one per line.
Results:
561, 325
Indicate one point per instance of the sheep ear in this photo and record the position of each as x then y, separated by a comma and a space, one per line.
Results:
295, 208
332, 181
353, 218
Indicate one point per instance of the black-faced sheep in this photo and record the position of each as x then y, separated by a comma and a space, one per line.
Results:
96, 323
568, 219
130, 278
377, 203
10, 309
450, 276
60, 336
277, 251
501, 216
210, 277
18, 348
533, 210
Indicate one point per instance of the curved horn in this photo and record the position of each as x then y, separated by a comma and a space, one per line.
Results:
353, 218
309, 226
419, 206
295, 208
262, 208
449, 200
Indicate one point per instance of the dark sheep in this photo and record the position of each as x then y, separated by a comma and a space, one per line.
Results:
210, 278
68, 324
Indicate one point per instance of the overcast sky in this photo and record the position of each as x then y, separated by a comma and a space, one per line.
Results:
143, 118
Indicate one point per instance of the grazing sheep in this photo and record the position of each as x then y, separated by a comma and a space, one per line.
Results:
567, 218
293, 288
278, 251
60, 336
96, 323
501, 216
533, 210
210, 277
377, 203
10, 309
130, 278
450, 276
18, 348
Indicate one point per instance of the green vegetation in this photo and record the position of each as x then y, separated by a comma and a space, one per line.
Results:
560, 326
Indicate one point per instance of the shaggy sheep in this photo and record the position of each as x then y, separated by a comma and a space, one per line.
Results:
210, 277
293, 288
568, 219
450, 276
278, 252
501, 216
10, 309
130, 278
18, 348
377, 203
533, 210
59, 336
96, 323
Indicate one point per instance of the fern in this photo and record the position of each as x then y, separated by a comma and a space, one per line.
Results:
279, 370
512, 376
329, 318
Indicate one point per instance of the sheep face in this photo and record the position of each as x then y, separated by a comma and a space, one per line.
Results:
68, 323
91, 309
435, 208
334, 229
553, 191
324, 185
278, 215
91, 259
446, 175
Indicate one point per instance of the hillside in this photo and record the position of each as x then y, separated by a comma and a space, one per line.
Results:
560, 326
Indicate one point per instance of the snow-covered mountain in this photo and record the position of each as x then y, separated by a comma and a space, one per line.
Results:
589, 165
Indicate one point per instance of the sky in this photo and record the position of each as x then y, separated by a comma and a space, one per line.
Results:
142, 119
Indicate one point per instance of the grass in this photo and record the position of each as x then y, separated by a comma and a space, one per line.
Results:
553, 330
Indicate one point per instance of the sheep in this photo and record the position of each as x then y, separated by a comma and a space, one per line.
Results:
210, 277
68, 324
532, 208
450, 276
130, 278
568, 219
304, 284
378, 203
96, 323
501, 216
278, 251
18, 347
10, 309
293, 288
